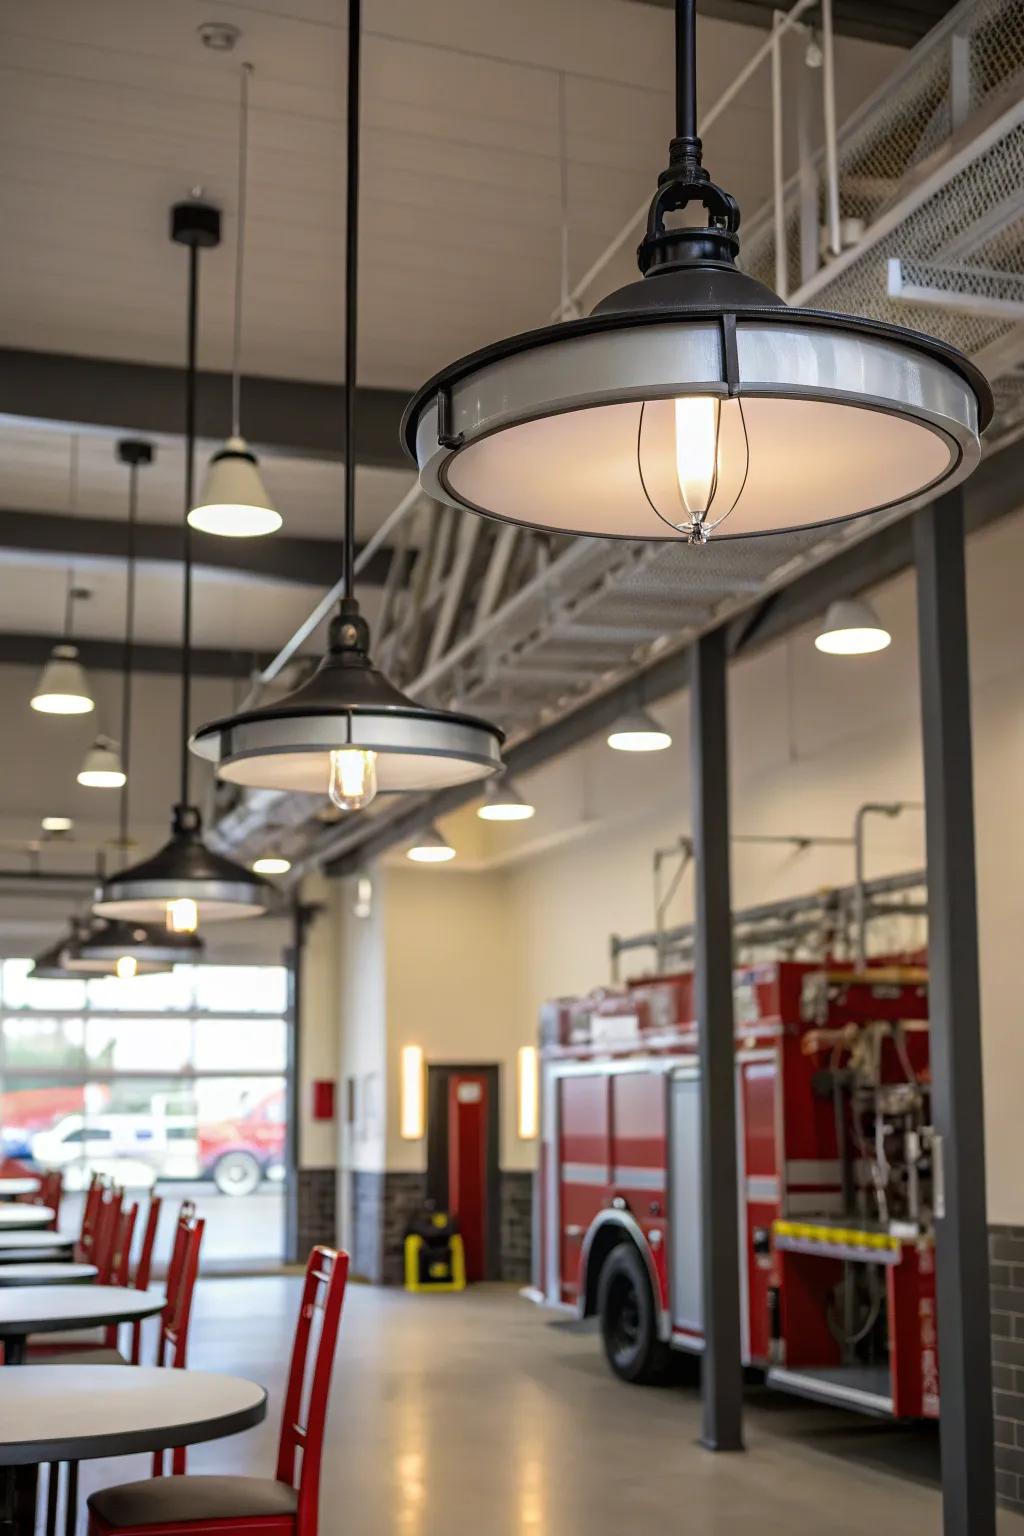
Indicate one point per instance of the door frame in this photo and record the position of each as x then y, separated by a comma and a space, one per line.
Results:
439, 1075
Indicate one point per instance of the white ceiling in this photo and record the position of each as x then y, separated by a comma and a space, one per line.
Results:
111, 111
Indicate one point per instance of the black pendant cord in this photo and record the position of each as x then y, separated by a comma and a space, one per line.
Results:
129, 647
69, 605
686, 69
351, 288
190, 455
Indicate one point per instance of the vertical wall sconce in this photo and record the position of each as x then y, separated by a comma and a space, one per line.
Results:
527, 1093
412, 1109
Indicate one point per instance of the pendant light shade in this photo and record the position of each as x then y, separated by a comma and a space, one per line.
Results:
695, 402
431, 847
851, 627
101, 946
63, 687
349, 732
49, 965
234, 502
184, 884
639, 732
102, 768
503, 802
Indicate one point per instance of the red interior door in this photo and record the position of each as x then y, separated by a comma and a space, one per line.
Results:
467, 1166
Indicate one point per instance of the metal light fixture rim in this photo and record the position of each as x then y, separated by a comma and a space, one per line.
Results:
777, 314
200, 741
234, 885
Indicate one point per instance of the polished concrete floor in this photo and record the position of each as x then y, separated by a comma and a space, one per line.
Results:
480, 1415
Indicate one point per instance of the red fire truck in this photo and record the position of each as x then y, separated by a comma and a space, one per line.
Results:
835, 1186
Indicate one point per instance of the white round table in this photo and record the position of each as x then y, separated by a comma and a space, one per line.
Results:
26, 1309
15, 1245
24, 1218
46, 1272
10, 1189
73, 1413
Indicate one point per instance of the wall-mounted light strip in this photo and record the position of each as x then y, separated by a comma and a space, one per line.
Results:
527, 1093
411, 1113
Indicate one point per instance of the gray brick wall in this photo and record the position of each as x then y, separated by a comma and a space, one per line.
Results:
1006, 1276
316, 1200
516, 1225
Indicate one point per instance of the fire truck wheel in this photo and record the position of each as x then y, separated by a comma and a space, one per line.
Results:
629, 1325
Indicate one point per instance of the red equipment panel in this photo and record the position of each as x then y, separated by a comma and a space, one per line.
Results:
584, 1159
758, 1085
638, 1173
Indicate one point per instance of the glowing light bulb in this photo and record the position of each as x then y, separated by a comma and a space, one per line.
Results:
127, 966
182, 915
696, 451
353, 778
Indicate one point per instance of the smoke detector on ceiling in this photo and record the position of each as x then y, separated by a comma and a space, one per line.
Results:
221, 36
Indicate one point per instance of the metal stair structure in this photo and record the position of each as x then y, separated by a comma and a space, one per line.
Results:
522, 627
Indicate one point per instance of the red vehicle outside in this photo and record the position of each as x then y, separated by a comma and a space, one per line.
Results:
238, 1154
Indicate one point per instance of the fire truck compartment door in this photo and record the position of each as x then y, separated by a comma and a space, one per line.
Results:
687, 1285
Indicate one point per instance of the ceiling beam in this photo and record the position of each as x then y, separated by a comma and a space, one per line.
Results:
901, 25
20, 650
281, 415
283, 557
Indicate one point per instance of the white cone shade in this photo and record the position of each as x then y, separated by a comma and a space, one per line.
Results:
431, 848
505, 803
234, 501
102, 766
639, 732
63, 687
270, 865
852, 628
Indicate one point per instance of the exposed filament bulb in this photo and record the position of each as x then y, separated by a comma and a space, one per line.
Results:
126, 967
182, 915
696, 445
353, 782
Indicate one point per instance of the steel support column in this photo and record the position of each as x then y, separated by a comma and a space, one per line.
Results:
964, 1324
722, 1371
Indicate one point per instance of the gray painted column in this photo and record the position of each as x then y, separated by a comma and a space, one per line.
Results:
964, 1323
722, 1371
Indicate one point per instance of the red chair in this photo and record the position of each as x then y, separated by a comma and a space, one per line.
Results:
284, 1505
90, 1215
172, 1344
104, 1236
50, 1193
144, 1268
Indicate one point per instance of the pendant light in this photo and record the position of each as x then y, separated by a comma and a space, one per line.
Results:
695, 402
503, 802
234, 501
431, 847
186, 882
638, 732
49, 965
63, 688
349, 732
102, 768
851, 627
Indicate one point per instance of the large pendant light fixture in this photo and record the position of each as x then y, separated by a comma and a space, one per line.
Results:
63, 688
349, 732
234, 501
186, 882
695, 402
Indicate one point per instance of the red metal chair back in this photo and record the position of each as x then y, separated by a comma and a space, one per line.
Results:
50, 1193
144, 1268
90, 1216
309, 1381
172, 1345
104, 1235
120, 1261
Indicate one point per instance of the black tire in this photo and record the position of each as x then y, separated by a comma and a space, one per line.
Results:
629, 1320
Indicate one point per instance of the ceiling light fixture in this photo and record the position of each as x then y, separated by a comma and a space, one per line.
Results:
271, 865
503, 802
102, 767
695, 401
851, 627
186, 882
49, 965
348, 732
57, 824
638, 732
234, 501
63, 688
99, 947
431, 847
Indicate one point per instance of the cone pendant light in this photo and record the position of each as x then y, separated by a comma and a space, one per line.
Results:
349, 732
234, 501
63, 688
695, 402
186, 882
